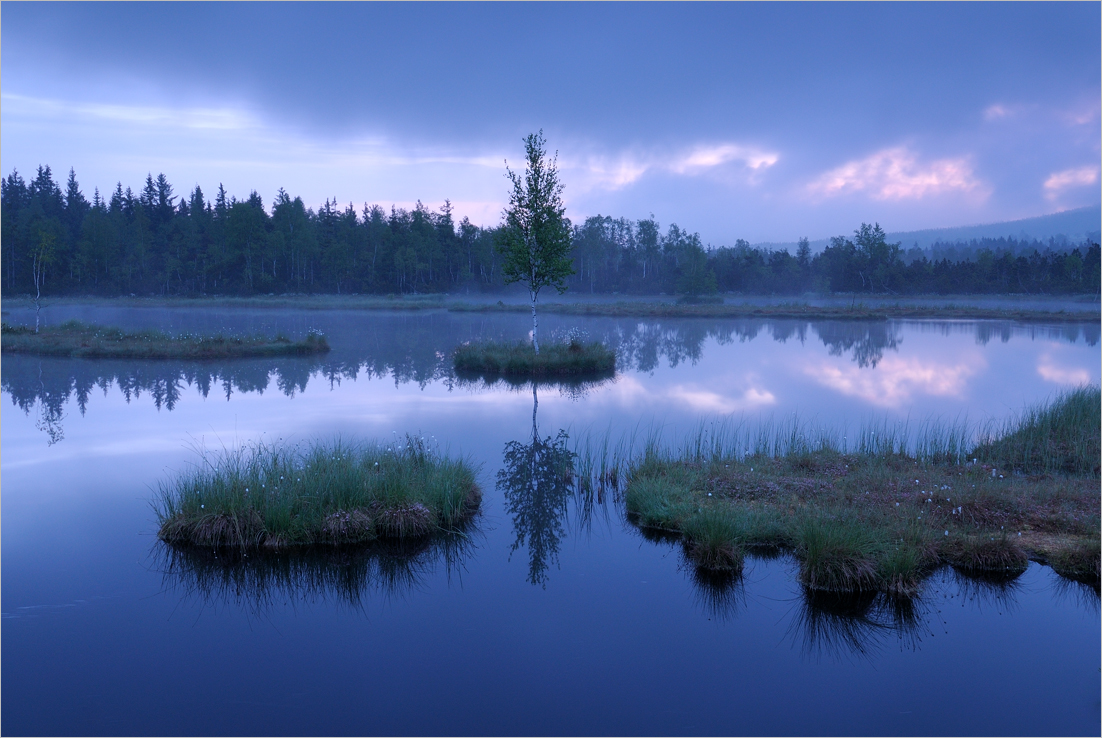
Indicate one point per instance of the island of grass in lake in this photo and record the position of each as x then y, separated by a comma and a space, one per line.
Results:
83, 340
273, 497
882, 519
567, 359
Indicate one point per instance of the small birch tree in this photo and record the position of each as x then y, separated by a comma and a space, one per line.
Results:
536, 237
43, 255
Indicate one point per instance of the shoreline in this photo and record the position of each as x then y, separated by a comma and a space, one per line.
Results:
876, 308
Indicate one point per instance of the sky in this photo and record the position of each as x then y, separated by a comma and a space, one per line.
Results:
763, 121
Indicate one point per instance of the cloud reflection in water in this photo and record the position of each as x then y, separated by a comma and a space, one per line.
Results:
896, 380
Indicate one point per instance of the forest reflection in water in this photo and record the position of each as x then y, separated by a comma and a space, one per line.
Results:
421, 353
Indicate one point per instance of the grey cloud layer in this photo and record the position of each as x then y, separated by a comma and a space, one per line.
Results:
725, 117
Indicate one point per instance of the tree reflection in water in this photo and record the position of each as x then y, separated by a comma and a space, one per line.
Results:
260, 582
537, 479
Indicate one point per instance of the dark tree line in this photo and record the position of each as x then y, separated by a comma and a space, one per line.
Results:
156, 242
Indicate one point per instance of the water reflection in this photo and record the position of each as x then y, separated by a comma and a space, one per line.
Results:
417, 349
986, 591
840, 626
865, 342
860, 625
1084, 595
642, 346
721, 595
261, 582
898, 379
856, 624
537, 479
573, 388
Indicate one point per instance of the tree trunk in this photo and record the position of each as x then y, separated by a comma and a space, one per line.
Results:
535, 326
533, 467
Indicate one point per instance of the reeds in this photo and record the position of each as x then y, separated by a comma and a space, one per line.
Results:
1058, 436
271, 496
571, 358
84, 340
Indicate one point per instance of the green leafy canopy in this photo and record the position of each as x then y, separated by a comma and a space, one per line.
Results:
536, 239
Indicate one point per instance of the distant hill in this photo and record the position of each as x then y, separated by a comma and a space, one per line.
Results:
1073, 225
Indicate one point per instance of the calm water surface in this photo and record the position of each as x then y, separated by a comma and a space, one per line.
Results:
552, 615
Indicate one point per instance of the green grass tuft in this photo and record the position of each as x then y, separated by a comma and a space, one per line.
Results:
340, 494
836, 555
1079, 561
988, 553
714, 540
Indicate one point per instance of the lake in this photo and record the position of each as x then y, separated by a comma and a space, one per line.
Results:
548, 616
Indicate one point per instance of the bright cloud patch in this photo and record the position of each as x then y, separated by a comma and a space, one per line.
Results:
895, 380
606, 174
615, 173
897, 174
143, 116
1062, 375
713, 156
712, 402
1057, 182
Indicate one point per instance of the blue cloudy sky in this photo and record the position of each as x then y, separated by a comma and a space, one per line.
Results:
759, 121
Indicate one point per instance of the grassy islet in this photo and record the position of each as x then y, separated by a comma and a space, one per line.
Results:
84, 340
883, 517
271, 496
564, 359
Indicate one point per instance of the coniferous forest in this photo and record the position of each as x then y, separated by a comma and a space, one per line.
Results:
155, 242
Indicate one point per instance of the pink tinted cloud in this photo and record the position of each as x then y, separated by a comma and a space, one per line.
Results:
898, 174
1083, 115
616, 173
1057, 182
896, 380
1050, 371
706, 157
